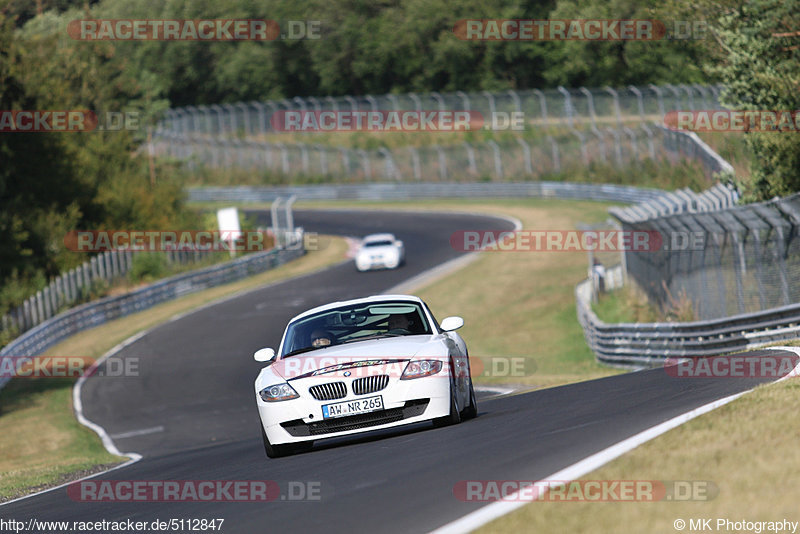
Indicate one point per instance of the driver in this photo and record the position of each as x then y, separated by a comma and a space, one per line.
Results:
321, 338
399, 321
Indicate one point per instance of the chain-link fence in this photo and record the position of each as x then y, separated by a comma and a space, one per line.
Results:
724, 262
464, 162
581, 108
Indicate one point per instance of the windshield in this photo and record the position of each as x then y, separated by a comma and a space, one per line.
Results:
354, 323
379, 244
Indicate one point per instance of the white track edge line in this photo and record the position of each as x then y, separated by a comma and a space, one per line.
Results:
488, 513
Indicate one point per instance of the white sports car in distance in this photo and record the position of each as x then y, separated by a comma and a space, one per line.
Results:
380, 251
362, 365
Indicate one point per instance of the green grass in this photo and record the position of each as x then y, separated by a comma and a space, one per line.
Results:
747, 449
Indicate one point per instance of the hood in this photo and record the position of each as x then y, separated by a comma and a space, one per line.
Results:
388, 355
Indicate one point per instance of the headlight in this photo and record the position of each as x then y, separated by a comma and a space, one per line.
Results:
278, 392
421, 368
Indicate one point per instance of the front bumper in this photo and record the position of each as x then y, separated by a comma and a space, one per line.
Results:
404, 402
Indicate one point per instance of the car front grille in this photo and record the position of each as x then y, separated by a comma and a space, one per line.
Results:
370, 384
411, 408
329, 391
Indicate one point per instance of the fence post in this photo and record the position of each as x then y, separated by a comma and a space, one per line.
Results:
442, 162
415, 163
527, 151
276, 225
556, 155
617, 146
590, 100
465, 98
639, 101
542, 105
439, 99
498, 162
289, 213
616, 105
567, 105
323, 160
490, 97
660, 97
471, 164
365, 163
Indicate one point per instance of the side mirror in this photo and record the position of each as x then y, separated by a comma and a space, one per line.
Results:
264, 355
452, 323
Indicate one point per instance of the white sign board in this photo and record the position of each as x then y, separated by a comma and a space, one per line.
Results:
228, 219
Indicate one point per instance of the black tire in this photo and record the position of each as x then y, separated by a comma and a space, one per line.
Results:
277, 451
471, 411
455, 416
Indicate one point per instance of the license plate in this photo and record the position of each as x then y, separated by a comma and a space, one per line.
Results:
353, 407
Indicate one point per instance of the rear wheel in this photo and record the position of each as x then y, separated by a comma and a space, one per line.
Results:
276, 451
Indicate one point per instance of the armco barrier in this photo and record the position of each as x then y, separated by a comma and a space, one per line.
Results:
405, 191
95, 313
649, 344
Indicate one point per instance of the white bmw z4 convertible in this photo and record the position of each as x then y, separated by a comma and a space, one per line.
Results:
380, 251
362, 365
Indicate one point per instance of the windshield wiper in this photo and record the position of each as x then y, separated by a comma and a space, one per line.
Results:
300, 351
375, 336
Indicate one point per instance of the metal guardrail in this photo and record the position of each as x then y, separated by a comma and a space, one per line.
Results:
406, 191
649, 344
95, 313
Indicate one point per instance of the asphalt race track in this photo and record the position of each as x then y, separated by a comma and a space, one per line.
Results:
192, 415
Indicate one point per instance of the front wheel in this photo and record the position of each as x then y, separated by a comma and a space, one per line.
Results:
276, 451
454, 417
471, 411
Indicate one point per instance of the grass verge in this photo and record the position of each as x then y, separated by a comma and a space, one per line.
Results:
746, 450
41, 442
